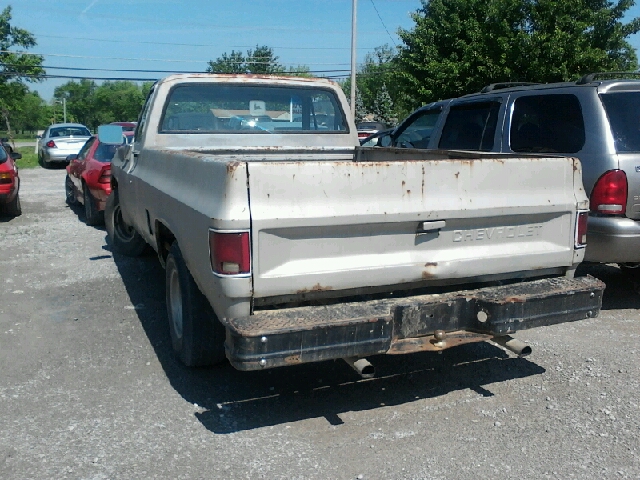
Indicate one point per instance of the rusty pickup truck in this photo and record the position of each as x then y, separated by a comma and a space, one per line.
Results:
286, 242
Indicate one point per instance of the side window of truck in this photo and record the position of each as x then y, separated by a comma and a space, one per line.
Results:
142, 119
550, 123
470, 126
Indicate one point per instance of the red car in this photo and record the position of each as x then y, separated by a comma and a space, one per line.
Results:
88, 179
9, 183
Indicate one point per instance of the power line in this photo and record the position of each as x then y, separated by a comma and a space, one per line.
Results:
129, 42
382, 21
148, 59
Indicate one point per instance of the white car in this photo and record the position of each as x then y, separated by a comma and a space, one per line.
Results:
59, 141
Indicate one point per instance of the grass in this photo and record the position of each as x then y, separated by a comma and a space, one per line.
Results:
29, 158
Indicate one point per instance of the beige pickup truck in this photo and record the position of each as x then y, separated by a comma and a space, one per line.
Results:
286, 242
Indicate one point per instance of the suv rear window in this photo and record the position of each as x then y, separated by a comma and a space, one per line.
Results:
470, 126
547, 123
623, 110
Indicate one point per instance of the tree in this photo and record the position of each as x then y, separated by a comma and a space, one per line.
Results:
383, 107
232, 63
15, 68
260, 61
31, 113
459, 46
117, 101
376, 73
79, 97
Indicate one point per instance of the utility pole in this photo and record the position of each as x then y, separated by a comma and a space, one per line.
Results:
354, 10
64, 110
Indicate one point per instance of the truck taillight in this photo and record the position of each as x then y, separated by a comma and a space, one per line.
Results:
51, 144
581, 229
609, 194
230, 252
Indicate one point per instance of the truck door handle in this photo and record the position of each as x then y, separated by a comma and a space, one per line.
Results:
135, 154
428, 227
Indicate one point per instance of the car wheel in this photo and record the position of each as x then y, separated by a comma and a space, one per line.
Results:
92, 216
124, 238
197, 336
69, 192
13, 208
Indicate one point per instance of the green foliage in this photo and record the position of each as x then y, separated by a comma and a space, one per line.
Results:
383, 107
30, 113
377, 73
261, 61
459, 46
29, 158
93, 105
80, 97
15, 68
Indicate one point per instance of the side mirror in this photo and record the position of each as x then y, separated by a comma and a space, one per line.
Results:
16, 155
110, 134
72, 157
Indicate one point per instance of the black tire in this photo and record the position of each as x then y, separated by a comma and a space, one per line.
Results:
197, 336
70, 192
13, 208
92, 216
124, 239
44, 163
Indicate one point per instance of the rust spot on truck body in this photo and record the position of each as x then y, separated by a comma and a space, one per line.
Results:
316, 288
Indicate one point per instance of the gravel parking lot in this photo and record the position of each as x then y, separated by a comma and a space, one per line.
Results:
89, 387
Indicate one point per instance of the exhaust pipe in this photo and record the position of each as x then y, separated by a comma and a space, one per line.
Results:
513, 344
362, 366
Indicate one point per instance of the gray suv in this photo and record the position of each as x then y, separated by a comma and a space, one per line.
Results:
594, 119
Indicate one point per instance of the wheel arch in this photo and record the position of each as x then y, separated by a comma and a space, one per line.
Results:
164, 239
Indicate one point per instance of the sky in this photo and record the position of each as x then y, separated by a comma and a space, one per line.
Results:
183, 35
103, 38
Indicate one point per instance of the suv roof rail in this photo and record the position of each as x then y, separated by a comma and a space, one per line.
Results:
498, 86
603, 75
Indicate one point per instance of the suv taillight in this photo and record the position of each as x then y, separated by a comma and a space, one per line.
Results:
51, 144
581, 229
609, 194
230, 252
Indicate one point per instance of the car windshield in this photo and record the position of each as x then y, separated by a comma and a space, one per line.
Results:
623, 110
105, 152
229, 108
69, 132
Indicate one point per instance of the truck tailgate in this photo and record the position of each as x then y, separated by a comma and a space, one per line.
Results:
344, 224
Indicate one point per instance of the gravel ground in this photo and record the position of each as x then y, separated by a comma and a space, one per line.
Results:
89, 388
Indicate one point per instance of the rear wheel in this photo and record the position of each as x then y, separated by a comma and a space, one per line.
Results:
13, 208
123, 237
69, 191
197, 336
92, 216
43, 162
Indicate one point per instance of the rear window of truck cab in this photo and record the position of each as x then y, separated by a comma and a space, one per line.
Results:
239, 108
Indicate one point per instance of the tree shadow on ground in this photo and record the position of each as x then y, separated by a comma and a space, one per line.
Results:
231, 401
